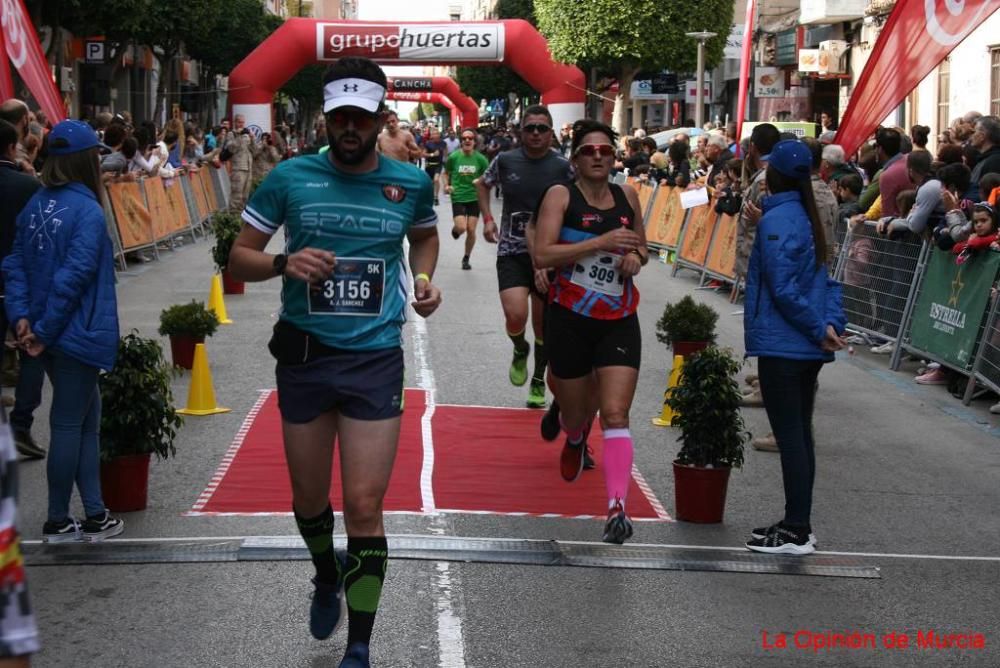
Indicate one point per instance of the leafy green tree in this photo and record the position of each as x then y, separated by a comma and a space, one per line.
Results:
305, 90
496, 81
623, 37
231, 35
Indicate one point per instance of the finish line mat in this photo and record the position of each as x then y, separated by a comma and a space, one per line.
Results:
462, 459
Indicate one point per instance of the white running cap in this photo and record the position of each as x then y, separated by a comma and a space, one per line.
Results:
352, 92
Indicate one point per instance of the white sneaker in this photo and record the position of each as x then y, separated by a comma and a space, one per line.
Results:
884, 349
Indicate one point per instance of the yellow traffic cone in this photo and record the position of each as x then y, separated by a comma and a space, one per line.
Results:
667, 416
216, 302
201, 396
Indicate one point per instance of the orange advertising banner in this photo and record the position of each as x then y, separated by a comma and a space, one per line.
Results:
722, 256
200, 199
645, 190
206, 183
697, 234
135, 225
665, 220
159, 208
180, 217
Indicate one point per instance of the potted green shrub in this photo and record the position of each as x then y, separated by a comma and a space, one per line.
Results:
137, 419
226, 227
687, 326
187, 325
706, 403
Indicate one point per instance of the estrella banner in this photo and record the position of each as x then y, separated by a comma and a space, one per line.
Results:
25, 53
951, 306
917, 37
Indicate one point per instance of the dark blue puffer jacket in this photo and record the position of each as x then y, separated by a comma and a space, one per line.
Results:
60, 275
789, 300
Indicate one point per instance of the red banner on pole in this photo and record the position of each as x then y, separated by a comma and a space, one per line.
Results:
741, 105
917, 37
6, 81
25, 52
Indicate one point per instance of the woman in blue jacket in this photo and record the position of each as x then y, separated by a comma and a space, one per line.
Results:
792, 322
60, 295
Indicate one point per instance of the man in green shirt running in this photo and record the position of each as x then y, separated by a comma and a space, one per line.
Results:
461, 170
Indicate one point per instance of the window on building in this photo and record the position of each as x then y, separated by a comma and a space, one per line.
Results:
944, 94
455, 17
995, 81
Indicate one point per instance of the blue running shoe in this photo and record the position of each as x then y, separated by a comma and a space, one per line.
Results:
356, 656
328, 609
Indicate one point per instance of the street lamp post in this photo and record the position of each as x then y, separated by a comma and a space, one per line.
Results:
699, 110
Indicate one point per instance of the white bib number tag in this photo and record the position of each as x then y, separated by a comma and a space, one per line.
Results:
599, 273
355, 288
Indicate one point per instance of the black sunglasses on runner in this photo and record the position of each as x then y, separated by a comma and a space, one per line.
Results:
362, 120
540, 128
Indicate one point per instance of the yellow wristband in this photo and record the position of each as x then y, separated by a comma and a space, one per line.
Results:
423, 276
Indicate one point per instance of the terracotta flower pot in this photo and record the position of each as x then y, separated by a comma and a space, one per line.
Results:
125, 482
230, 285
688, 348
700, 493
182, 350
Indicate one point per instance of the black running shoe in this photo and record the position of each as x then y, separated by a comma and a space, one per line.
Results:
465, 263
550, 422
761, 532
98, 527
61, 532
356, 656
618, 528
782, 540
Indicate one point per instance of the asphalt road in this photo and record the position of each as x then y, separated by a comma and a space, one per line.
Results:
908, 481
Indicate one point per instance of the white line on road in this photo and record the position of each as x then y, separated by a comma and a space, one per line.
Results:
451, 645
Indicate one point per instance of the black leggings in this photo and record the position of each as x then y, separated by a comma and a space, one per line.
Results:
789, 391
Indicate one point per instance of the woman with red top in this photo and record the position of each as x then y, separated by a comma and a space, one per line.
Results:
590, 231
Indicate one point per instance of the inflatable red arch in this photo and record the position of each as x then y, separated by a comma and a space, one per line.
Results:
463, 108
437, 98
301, 42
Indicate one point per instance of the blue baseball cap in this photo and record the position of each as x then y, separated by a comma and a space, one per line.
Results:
791, 158
72, 137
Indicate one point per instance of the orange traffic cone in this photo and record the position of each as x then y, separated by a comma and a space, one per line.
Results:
668, 414
216, 302
201, 396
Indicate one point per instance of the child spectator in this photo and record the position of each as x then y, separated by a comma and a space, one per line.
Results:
984, 233
847, 189
727, 188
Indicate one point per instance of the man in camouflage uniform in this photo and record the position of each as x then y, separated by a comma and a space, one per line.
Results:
239, 143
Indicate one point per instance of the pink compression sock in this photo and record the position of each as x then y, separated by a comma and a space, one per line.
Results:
617, 462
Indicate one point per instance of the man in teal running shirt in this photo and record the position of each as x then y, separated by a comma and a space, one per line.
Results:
337, 341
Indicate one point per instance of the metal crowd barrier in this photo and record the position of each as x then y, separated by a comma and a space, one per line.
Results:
986, 367
879, 278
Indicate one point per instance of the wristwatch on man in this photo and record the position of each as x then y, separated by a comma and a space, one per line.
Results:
279, 264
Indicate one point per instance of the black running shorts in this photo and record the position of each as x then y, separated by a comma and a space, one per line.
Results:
363, 385
577, 344
470, 209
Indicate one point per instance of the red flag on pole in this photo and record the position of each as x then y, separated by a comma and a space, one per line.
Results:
741, 105
25, 52
6, 81
917, 37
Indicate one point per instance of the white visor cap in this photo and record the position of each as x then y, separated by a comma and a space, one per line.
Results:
360, 93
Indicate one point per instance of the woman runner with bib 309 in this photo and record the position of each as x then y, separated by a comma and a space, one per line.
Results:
590, 231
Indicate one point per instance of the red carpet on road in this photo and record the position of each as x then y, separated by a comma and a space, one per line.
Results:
484, 460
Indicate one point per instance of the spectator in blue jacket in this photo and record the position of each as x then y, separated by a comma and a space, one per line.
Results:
60, 295
793, 323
